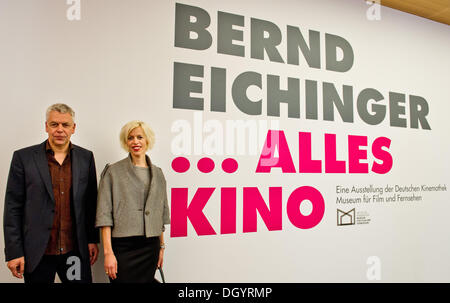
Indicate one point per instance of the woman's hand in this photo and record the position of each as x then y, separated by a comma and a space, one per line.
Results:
161, 258
111, 265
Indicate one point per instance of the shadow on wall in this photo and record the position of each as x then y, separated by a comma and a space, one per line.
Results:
98, 271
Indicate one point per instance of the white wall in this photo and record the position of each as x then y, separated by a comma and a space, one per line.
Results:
116, 65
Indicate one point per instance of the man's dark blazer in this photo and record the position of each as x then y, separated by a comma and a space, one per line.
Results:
29, 204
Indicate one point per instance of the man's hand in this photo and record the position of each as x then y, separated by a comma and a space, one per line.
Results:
93, 252
17, 267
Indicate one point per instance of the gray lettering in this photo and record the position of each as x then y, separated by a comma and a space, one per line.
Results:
218, 89
226, 34
239, 93
295, 40
74, 271
184, 26
395, 109
275, 96
259, 42
311, 99
418, 109
344, 107
332, 42
183, 86
378, 109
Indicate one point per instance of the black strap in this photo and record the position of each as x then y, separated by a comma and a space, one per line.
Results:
161, 273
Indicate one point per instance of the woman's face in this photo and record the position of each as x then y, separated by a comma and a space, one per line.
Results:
137, 142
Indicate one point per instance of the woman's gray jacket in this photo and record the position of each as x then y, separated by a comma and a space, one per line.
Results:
120, 196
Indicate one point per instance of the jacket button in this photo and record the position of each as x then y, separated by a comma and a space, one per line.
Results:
147, 213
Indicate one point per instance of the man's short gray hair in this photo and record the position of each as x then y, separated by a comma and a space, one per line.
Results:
60, 108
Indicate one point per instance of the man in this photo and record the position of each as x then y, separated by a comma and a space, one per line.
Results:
50, 205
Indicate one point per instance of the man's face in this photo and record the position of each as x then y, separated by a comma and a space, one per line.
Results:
60, 128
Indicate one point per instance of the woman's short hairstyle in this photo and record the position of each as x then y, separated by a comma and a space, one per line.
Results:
128, 128
60, 108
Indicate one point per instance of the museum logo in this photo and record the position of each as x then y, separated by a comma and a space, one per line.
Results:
346, 217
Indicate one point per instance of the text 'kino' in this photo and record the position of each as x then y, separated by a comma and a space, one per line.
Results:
253, 203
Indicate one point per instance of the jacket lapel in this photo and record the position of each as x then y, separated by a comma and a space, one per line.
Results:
152, 187
75, 157
40, 158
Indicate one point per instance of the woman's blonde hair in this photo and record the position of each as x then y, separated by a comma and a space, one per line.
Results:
128, 128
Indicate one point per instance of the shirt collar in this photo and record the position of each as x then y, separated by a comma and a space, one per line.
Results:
49, 149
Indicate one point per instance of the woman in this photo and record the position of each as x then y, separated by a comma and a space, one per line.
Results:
132, 209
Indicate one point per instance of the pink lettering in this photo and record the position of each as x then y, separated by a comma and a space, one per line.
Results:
293, 207
355, 154
228, 210
267, 159
382, 155
331, 164
181, 212
253, 203
306, 164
